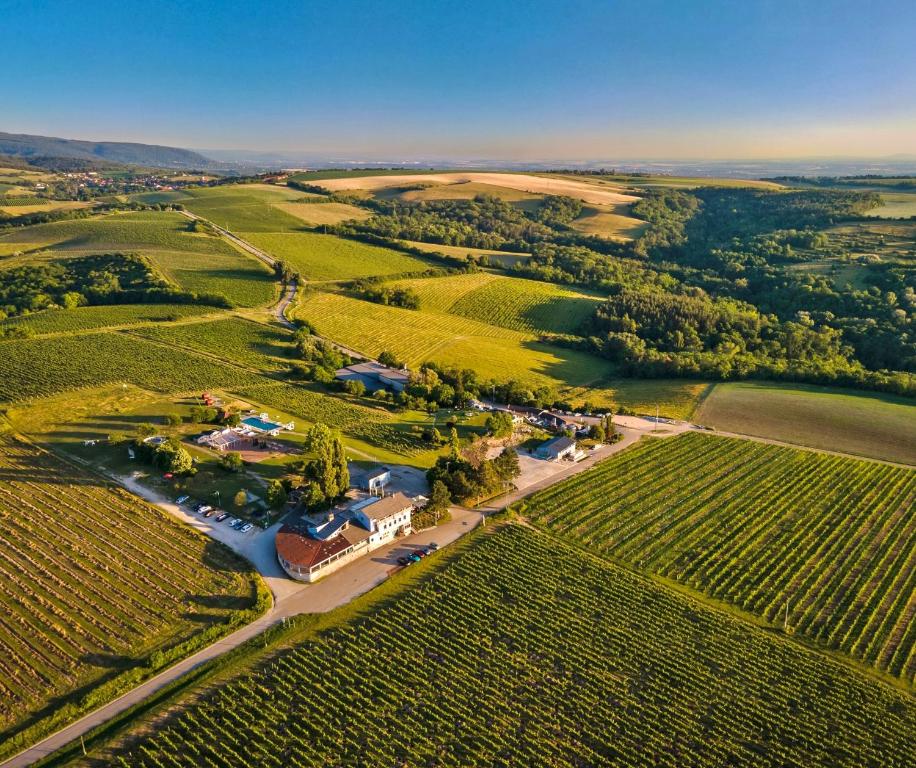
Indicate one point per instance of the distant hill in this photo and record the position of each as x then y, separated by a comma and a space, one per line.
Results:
117, 152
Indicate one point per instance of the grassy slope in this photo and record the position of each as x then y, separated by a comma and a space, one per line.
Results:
873, 425
757, 526
520, 650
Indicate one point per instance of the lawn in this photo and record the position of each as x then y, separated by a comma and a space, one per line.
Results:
514, 649
820, 543
98, 587
864, 424
326, 257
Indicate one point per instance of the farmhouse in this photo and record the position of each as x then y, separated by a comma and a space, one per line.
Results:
557, 449
374, 376
319, 544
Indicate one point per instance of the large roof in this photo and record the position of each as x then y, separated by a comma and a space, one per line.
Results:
388, 506
373, 369
558, 444
296, 547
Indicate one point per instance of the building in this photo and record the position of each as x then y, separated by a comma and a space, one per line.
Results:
372, 480
263, 425
374, 376
228, 439
319, 544
560, 448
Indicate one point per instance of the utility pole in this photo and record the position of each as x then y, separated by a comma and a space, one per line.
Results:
785, 621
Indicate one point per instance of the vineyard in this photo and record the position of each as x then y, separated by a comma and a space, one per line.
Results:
521, 651
88, 318
251, 208
241, 341
44, 366
94, 582
326, 257
762, 527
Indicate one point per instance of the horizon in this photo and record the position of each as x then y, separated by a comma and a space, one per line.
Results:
655, 83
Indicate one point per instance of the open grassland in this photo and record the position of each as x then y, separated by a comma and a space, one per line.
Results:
761, 527
459, 190
326, 257
504, 258
866, 424
88, 318
234, 339
195, 262
416, 336
609, 221
896, 205
535, 185
510, 302
321, 213
97, 587
520, 650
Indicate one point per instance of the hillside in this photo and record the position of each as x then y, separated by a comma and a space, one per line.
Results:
127, 153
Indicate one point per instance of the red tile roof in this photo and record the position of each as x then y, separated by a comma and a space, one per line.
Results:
297, 548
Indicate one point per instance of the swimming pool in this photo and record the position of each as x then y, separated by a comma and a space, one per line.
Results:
260, 424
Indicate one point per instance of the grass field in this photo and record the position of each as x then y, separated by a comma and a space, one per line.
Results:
41, 206
319, 214
865, 424
194, 262
245, 207
234, 339
522, 305
461, 190
95, 582
520, 651
503, 258
897, 205
761, 527
89, 318
326, 257
609, 221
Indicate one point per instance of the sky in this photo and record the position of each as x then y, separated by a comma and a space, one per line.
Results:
526, 81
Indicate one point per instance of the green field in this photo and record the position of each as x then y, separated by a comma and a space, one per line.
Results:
254, 345
326, 257
96, 583
245, 207
760, 527
194, 262
319, 214
865, 424
88, 318
521, 651
522, 305
896, 205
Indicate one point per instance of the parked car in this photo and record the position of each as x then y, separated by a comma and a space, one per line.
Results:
414, 558
419, 553
245, 528
182, 499
221, 516
210, 513
233, 522
426, 551
205, 508
433, 546
196, 506
402, 561
237, 524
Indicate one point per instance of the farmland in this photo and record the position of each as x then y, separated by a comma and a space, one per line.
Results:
522, 305
866, 424
80, 609
88, 318
761, 527
609, 221
194, 262
326, 257
503, 258
245, 208
320, 213
519, 650
234, 339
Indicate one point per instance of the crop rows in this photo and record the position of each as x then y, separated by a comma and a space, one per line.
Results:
39, 367
87, 318
762, 527
522, 651
93, 580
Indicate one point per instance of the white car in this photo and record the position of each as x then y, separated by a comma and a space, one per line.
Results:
232, 522
205, 508
245, 528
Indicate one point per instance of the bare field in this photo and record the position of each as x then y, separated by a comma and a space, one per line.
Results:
609, 221
589, 193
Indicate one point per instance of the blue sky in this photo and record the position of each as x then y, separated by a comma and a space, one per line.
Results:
535, 80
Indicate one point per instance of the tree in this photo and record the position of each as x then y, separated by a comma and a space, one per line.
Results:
173, 419
145, 430
328, 469
240, 499
439, 499
388, 358
499, 424
354, 387
609, 429
596, 432
432, 436
172, 457
454, 445
231, 461
276, 494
